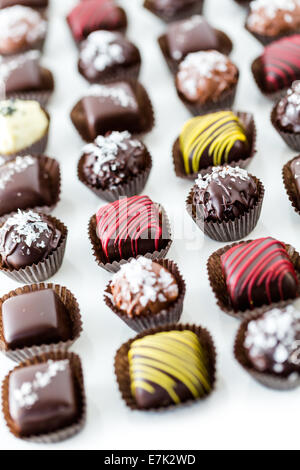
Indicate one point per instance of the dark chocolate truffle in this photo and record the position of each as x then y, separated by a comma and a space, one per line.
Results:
173, 10
272, 342
212, 140
287, 113
92, 15
106, 55
143, 287
225, 194
35, 318
21, 29
111, 160
168, 368
130, 227
24, 184
27, 238
259, 273
295, 172
273, 17
42, 398
204, 76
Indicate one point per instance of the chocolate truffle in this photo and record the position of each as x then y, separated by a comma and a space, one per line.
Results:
287, 114
21, 29
259, 273
130, 227
204, 76
25, 3
24, 184
173, 10
279, 65
107, 55
117, 106
112, 160
212, 140
23, 123
42, 398
272, 342
295, 171
35, 318
225, 194
143, 287
273, 17
27, 238
168, 368
92, 15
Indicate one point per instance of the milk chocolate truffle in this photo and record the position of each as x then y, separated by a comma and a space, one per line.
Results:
272, 18
27, 238
35, 318
225, 194
272, 342
42, 398
168, 368
206, 77
259, 273
112, 160
23, 124
173, 10
143, 287
21, 29
92, 15
107, 56
24, 184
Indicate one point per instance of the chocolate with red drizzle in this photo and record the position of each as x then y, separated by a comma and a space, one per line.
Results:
259, 273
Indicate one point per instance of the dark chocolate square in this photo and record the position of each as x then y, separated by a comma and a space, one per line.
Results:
42, 398
35, 318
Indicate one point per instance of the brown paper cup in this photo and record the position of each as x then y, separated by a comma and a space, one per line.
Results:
71, 305
232, 230
256, 68
274, 381
225, 47
52, 168
171, 315
248, 123
60, 434
219, 288
195, 9
42, 95
79, 121
224, 102
290, 138
37, 148
122, 364
115, 265
132, 187
44, 269
119, 73
290, 186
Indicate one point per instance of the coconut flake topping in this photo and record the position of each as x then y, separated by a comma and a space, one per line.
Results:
18, 21
101, 49
221, 172
28, 227
18, 165
118, 94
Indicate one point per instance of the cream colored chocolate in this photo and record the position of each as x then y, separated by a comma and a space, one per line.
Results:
143, 286
22, 123
205, 75
274, 17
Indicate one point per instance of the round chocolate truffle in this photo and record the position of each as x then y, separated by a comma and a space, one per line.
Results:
21, 29
287, 113
272, 342
27, 238
143, 287
225, 193
111, 160
106, 54
205, 75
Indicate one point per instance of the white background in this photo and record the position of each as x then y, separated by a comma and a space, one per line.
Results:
240, 413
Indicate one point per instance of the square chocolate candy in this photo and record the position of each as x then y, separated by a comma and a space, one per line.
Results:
35, 318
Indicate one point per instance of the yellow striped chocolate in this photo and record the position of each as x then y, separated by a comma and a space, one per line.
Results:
172, 362
213, 137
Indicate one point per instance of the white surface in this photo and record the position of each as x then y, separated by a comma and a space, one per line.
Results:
241, 413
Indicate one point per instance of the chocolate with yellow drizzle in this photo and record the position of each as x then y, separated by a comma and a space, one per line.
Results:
212, 140
168, 368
